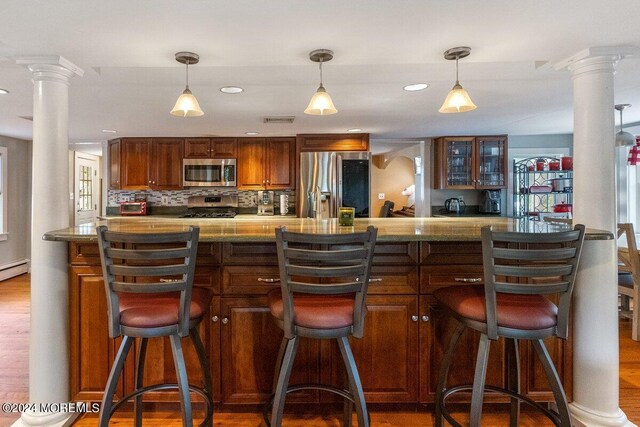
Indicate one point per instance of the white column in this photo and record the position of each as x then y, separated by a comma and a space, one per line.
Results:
49, 333
595, 334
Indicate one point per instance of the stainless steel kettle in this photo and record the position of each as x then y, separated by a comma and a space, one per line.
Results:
453, 205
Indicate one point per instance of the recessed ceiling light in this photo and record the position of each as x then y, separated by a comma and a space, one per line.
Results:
3, 91
109, 131
231, 89
415, 87
354, 130
252, 133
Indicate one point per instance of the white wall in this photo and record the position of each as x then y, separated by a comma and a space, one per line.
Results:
18, 191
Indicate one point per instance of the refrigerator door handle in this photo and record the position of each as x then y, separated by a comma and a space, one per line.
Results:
338, 184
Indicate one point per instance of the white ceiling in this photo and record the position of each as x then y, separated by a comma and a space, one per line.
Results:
131, 79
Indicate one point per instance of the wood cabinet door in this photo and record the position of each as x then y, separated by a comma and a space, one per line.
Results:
280, 165
386, 356
197, 148
134, 165
435, 334
114, 164
224, 148
92, 351
250, 164
491, 162
454, 157
250, 344
333, 142
166, 164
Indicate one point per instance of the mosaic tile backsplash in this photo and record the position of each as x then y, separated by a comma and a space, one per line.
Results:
246, 199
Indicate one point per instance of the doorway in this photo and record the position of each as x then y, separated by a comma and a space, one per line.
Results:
86, 188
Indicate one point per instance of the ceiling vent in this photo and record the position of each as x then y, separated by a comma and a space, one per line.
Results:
279, 119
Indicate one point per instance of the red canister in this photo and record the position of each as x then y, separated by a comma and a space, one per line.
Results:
567, 163
540, 164
554, 165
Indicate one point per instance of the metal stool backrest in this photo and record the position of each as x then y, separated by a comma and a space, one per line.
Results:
530, 263
628, 258
148, 263
326, 264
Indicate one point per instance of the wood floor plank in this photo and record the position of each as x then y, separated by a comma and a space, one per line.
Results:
14, 346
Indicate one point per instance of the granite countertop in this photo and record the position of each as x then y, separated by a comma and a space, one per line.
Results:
261, 228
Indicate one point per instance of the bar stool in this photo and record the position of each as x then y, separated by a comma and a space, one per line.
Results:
519, 269
149, 285
323, 286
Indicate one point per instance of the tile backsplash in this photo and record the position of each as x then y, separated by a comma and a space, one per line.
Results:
246, 199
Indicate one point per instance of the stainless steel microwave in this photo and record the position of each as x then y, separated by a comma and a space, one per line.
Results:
209, 172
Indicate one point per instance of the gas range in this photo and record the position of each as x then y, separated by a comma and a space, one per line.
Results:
211, 207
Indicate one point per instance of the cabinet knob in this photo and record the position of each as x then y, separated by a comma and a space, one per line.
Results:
414, 318
267, 181
268, 279
215, 319
425, 318
225, 320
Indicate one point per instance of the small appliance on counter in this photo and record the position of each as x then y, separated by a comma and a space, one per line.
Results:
265, 202
491, 203
454, 205
133, 208
211, 207
284, 204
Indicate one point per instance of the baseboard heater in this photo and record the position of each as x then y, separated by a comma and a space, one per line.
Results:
13, 269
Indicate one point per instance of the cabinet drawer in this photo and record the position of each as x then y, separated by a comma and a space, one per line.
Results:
244, 280
209, 253
395, 253
250, 253
84, 253
440, 276
451, 253
394, 279
208, 277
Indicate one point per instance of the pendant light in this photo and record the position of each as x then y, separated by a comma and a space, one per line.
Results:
458, 100
187, 104
321, 103
623, 139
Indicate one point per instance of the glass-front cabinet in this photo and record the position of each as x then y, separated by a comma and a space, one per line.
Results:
470, 162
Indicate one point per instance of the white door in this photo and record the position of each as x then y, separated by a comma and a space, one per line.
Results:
86, 189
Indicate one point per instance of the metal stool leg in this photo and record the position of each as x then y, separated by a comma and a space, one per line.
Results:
112, 382
283, 381
513, 363
276, 372
479, 378
354, 382
183, 382
554, 382
137, 404
444, 372
347, 413
206, 372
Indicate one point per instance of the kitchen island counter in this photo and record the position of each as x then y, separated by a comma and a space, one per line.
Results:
261, 228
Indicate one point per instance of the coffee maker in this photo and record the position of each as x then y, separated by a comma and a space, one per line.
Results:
265, 202
491, 202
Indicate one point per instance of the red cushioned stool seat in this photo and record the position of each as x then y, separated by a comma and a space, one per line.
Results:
516, 311
315, 311
155, 310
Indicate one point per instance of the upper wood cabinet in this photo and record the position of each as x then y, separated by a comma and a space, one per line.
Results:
145, 163
203, 148
470, 162
333, 142
266, 163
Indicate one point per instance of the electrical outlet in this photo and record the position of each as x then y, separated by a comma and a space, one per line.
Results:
165, 200
380, 196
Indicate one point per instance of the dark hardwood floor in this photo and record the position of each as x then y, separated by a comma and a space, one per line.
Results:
14, 345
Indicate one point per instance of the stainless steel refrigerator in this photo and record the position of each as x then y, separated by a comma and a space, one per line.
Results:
329, 180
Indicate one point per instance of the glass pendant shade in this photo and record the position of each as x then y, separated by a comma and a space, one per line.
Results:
187, 105
457, 101
321, 104
625, 139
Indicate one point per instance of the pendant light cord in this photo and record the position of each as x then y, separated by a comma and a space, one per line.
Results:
187, 74
457, 81
620, 120
320, 65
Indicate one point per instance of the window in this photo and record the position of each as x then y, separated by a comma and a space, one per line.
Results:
3, 193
